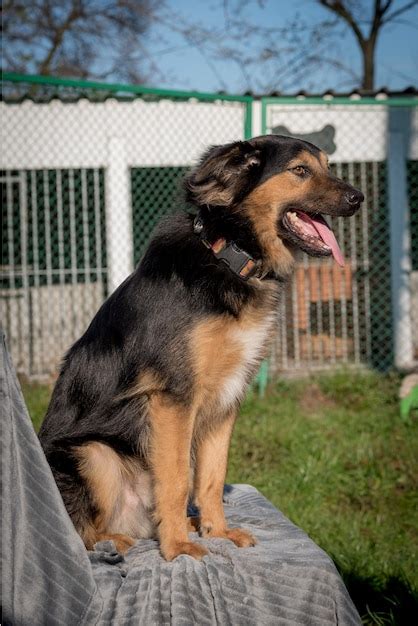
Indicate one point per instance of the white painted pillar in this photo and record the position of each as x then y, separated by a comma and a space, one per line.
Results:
400, 241
256, 118
119, 235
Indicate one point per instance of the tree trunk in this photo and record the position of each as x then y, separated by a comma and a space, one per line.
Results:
368, 52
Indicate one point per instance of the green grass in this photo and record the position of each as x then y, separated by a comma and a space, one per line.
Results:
333, 454
36, 398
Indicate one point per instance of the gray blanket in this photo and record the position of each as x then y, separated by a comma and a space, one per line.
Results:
49, 578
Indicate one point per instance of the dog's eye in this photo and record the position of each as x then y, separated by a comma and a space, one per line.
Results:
300, 170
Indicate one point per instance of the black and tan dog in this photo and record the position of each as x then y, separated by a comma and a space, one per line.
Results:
142, 413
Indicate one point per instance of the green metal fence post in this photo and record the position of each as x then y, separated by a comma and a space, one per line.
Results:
248, 119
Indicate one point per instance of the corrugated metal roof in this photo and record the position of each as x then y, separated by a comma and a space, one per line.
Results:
67, 90
383, 91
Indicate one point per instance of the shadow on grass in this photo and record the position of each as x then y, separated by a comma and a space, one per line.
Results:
391, 603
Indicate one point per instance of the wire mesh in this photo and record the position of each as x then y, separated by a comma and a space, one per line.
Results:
156, 191
88, 170
86, 173
348, 316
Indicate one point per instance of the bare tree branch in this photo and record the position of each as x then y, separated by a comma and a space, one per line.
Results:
400, 11
383, 13
58, 35
339, 8
103, 38
76, 37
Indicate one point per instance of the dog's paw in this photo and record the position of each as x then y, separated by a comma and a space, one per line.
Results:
122, 542
242, 538
183, 547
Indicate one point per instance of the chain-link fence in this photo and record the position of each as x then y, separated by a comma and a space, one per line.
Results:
367, 313
87, 170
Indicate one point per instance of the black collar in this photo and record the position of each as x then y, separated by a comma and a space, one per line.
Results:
236, 259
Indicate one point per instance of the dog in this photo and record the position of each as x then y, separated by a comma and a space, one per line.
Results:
142, 412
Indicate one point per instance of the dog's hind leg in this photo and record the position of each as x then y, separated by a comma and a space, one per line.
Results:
211, 465
119, 492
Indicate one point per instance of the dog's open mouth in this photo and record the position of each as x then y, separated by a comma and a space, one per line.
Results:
312, 234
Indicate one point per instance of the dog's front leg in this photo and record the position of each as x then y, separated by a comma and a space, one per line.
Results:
211, 466
172, 428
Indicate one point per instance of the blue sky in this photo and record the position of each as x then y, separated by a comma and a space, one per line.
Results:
184, 67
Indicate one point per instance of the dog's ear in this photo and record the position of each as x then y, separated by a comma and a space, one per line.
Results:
224, 175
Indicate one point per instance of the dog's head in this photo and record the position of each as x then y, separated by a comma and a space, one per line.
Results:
270, 192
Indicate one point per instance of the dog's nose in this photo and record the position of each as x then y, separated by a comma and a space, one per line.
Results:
354, 197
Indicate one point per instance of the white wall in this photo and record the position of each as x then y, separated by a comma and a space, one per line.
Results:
168, 133
63, 135
361, 131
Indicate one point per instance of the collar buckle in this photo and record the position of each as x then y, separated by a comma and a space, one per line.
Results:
238, 261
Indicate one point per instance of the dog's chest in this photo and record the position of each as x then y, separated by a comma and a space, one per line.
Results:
229, 355
252, 344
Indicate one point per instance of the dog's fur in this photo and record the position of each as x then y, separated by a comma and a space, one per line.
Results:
143, 410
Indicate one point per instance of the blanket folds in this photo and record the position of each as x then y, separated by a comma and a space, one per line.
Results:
48, 578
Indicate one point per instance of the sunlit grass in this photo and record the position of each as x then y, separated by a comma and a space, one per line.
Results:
333, 454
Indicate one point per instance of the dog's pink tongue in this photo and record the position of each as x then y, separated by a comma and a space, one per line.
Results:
318, 223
